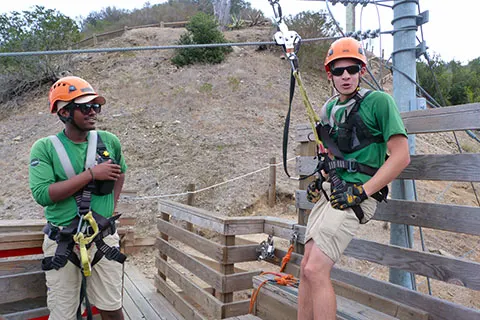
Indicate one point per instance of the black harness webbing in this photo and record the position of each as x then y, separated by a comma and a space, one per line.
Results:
286, 126
351, 166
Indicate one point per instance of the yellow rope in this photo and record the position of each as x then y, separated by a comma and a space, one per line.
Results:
312, 116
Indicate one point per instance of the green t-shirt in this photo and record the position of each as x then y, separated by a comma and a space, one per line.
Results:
380, 114
45, 169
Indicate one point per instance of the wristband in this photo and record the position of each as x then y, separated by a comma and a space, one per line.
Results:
91, 172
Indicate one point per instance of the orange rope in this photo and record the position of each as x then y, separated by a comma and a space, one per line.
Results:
281, 279
287, 258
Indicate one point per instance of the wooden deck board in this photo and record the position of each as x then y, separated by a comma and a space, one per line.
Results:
140, 294
244, 317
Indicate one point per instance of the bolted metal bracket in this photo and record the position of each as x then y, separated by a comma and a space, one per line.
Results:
423, 18
421, 49
421, 103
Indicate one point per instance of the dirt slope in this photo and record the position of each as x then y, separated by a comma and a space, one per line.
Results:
203, 124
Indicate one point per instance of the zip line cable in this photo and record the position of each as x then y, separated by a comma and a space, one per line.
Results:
146, 48
379, 41
333, 18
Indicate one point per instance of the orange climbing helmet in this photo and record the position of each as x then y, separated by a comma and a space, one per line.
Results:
345, 48
71, 88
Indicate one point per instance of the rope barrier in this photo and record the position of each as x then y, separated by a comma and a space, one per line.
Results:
203, 189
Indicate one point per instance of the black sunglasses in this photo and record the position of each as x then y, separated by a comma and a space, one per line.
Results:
350, 69
86, 107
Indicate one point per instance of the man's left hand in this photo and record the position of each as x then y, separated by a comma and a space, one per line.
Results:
349, 195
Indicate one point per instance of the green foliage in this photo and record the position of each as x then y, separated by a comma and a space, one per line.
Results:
456, 83
234, 83
201, 29
206, 88
237, 23
37, 30
312, 25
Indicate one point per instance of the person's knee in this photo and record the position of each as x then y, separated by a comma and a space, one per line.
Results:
317, 268
112, 315
317, 272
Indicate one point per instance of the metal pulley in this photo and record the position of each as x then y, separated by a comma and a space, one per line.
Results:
266, 249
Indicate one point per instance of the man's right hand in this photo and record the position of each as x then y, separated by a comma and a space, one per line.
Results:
106, 171
314, 191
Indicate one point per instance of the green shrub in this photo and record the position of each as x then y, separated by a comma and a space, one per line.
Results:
201, 29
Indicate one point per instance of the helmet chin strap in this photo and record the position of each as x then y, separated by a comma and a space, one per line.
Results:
70, 119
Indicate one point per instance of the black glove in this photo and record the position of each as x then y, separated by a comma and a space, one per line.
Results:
313, 190
349, 195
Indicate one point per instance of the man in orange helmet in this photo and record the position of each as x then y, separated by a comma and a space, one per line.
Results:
77, 176
358, 127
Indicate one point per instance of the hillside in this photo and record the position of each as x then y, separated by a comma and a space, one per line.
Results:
201, 124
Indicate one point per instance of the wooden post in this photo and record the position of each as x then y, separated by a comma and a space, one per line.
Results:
164, 236
162, 24
306, 149
190, 201
226, 269
272, 187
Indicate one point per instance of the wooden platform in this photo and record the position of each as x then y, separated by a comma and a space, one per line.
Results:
140, 301
277, 302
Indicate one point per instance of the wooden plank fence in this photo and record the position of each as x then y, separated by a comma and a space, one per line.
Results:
96, 38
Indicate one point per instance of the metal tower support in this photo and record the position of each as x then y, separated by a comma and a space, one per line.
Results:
404, 58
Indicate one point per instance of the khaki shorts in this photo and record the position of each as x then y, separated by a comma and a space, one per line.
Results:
104, 286
332, 229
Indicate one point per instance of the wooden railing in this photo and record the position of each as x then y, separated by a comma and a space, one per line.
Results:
213, 261
96, 38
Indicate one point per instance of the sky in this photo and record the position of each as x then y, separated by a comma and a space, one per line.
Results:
449, 32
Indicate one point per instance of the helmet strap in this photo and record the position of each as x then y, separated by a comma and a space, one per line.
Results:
70, 118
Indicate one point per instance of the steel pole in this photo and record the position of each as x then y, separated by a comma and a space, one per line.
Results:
350, 17
404, 58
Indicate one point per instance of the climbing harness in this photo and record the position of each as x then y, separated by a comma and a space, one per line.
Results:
88, 226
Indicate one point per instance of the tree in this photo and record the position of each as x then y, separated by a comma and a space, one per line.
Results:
37, 30
201, 29
450, 83
221, 9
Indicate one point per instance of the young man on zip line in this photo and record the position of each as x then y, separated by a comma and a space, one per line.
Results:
358, 128
77, 176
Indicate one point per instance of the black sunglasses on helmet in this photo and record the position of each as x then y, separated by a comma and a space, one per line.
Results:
86, 107
353, 69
